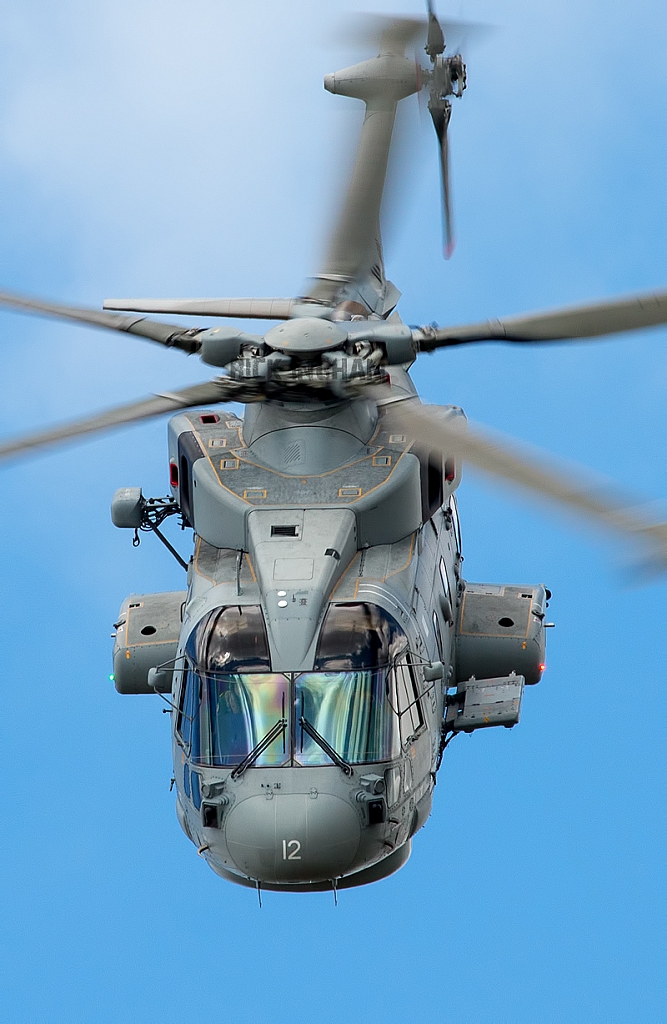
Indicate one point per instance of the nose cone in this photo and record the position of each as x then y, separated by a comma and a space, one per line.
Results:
293, 837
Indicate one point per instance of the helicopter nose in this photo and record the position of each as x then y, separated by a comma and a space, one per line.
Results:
293, 837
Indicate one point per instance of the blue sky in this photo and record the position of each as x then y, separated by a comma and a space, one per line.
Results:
180, 148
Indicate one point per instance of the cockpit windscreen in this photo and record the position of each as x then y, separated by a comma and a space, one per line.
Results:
361, 700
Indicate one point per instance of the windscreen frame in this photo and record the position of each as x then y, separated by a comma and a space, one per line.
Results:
383, 654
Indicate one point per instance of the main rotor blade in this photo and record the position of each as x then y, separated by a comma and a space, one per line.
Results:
168, 402
170, 335
242, 309
365, 29
532, 470
568, 324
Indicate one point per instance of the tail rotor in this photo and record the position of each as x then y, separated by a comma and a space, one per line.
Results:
447, 77
435, 40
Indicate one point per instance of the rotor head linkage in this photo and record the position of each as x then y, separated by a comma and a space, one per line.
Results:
306, 335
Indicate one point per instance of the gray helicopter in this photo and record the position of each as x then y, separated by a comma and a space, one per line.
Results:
327, 648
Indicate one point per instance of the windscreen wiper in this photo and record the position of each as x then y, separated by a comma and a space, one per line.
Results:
326, 747
272, 734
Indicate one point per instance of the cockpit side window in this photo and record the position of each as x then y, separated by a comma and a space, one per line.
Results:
438, 635
358, 636
409, 710
181, 717
230, 639
188, 706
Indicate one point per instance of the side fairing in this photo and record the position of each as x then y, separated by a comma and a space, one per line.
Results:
222, 471
147, 634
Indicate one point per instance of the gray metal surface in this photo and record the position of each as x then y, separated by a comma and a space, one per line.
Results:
355, 247
147, 633
329, 831
296, 575
501, 630
300, 465
127, 508
486, 703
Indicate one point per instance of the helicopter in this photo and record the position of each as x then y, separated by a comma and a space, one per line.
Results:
327, 647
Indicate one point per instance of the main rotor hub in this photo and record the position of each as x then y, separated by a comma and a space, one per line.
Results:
304, 335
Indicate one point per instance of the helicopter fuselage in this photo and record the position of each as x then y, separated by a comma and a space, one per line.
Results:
317, 640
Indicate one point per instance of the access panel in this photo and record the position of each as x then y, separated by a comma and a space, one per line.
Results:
485, 702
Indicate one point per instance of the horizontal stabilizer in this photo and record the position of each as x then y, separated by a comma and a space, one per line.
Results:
244, 309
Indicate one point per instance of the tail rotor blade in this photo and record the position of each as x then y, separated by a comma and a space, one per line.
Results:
435, 39
441, 113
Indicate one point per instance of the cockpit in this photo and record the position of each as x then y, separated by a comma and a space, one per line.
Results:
360, 703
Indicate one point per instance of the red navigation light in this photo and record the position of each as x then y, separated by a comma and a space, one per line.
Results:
173, 474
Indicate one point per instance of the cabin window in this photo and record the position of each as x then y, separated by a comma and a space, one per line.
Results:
445, 581
196, 790
454, 509
351, 697
241, 700
392, 781
354, 712
438, 635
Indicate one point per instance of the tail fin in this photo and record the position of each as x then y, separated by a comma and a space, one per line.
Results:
353, 273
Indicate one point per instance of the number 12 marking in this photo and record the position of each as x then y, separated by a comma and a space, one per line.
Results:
293, 845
